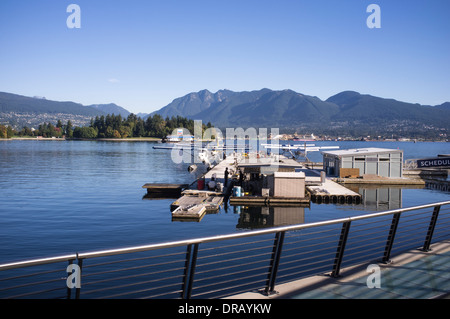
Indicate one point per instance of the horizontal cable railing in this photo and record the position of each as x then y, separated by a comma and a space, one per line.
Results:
219, 266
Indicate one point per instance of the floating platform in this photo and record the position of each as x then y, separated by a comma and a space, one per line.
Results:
382, 181
424, 173
268, 201
195, 192
190, 212
211, 202
332, 192
193, 205
164, 189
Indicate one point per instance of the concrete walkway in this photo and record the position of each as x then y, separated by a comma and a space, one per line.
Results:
416, 275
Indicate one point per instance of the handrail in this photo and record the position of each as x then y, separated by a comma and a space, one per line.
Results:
201, 240
259, 263
35, 262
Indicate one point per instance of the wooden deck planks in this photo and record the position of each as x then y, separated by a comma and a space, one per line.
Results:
331, 191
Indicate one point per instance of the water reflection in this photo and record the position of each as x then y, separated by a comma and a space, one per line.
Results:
374, 198
253, 217
383, 198
380, 198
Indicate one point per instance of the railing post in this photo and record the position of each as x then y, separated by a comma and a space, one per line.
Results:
434, 217
340, 249
186, 271
390, 239
274, 262
191, 272
78, 289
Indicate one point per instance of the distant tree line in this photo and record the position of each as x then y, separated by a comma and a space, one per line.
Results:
114, 126
109, 126
44, 130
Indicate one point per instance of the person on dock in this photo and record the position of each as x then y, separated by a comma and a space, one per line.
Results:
226, 177
212, 184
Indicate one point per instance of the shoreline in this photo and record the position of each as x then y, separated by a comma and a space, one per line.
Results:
156, 139
131, 139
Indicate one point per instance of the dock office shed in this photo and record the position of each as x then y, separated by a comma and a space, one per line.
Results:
378, 161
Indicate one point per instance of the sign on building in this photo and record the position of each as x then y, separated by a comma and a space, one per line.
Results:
433, 162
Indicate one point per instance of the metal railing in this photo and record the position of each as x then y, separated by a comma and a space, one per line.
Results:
218, 266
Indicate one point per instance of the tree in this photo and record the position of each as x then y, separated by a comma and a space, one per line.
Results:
139, 129
116, 134
2, 131
69, 129
125, 131
85, 132
109, 132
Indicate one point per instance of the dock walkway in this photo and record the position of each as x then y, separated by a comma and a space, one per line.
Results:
219, 169
412, 275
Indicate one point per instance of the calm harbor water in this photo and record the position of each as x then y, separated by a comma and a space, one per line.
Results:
59, 197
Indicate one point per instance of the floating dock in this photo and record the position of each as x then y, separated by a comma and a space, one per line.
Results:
332, 192
210, 200
164, 189
269, 201
190, 212
377, 180
270, 180
194, 204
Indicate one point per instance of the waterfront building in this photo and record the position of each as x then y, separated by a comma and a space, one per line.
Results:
362, 161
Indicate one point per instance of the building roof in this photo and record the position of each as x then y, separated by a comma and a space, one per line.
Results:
362, 151
289, 174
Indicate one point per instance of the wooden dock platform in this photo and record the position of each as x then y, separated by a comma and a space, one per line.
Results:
378, 180
269, 201
332, 192
190, 212
210, 201
165, 188
193, 205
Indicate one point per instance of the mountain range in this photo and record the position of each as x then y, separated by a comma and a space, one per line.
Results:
20, 111
346, 112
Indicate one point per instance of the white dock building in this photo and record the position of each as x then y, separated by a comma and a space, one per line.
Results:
377, 161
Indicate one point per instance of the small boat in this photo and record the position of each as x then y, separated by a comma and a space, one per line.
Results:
174, 145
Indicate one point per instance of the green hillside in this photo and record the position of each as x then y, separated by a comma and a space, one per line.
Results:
22, 104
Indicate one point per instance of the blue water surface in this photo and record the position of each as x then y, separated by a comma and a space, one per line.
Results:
59, 197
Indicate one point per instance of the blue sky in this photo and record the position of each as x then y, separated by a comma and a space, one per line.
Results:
143, 54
